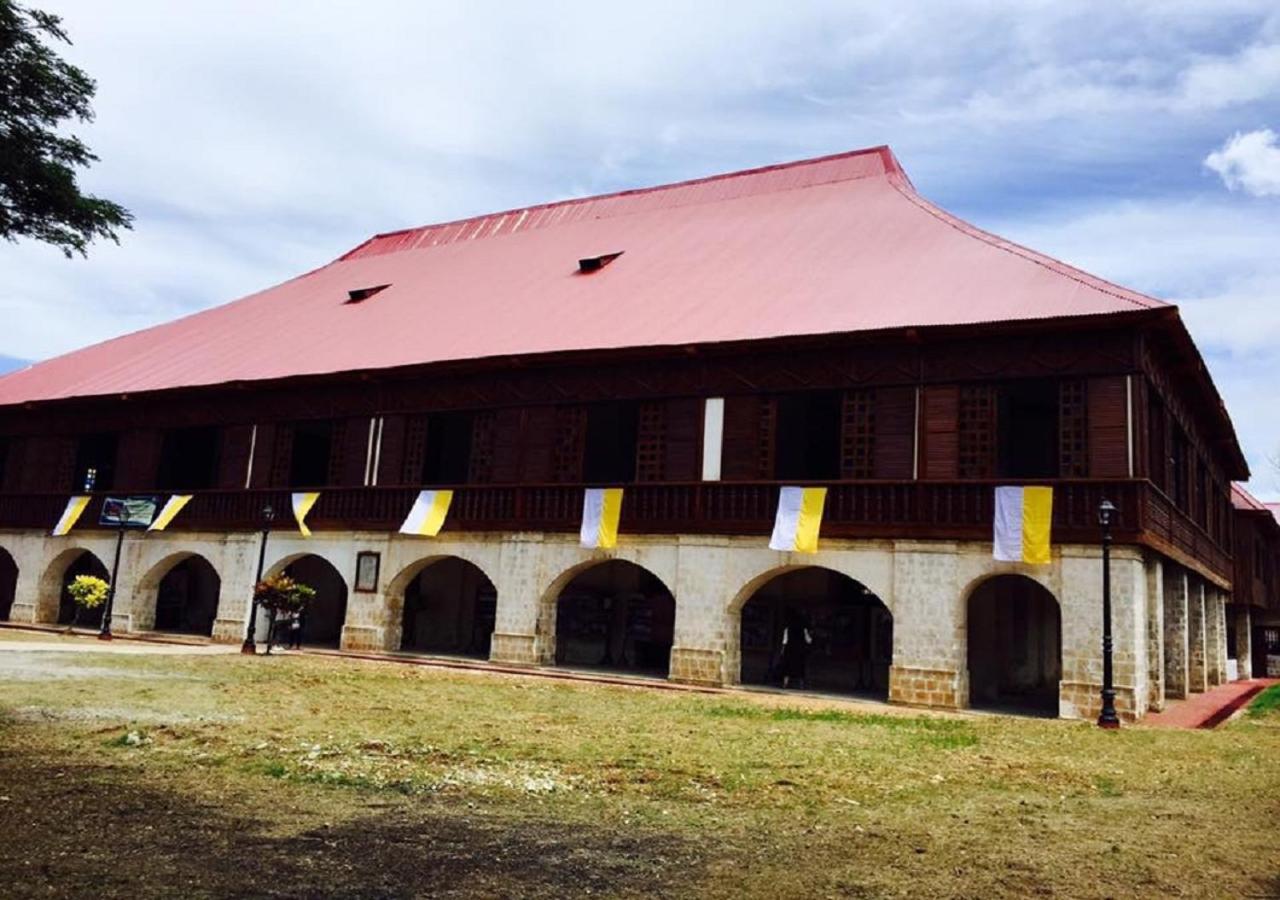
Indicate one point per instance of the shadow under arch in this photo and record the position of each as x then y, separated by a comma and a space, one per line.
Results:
325, 616
185, 589
1013, 627
608, 614
448, 605
54, 603
814, 627
8, 583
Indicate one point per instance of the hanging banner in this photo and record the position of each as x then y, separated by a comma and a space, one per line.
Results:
799, 518
601, 508
171, 508
1023, 520
128, 512
70, 515
302, 503
428, 513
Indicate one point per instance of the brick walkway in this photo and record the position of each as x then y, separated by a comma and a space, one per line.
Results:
1214, 706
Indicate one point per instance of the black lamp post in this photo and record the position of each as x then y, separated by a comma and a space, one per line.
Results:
1107, 718
250, 644
104, 632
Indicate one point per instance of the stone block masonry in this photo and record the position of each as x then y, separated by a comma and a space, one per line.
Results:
925, 586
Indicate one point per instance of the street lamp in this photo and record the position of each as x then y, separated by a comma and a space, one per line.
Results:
1107, 718
250, 645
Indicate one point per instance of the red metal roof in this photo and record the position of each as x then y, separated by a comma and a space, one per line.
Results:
831, 245
1244, 501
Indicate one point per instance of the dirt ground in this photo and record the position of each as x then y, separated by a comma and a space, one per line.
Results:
175, 773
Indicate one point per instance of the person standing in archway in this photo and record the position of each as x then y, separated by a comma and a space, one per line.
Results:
796, 641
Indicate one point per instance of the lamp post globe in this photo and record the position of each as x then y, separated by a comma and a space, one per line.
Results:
250, 644
1107, 718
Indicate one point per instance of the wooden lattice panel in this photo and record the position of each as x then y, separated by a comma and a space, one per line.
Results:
651, 439
858, 434
767, 425
976, 422
338, 453
484, 433
415, 448
282, 457
1073, 428
570, 443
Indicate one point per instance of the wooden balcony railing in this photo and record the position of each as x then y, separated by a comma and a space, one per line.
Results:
866, 509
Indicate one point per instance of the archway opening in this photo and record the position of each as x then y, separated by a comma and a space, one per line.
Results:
84, 564
617, 616
187, 598
8, 584
849, 632
1015, 646
449, 607
324, 617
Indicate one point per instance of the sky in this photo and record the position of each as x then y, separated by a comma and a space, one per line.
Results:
254, 141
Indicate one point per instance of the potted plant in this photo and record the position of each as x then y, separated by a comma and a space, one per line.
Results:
88, 592
281, 595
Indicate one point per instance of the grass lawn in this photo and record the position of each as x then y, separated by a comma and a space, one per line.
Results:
152, 775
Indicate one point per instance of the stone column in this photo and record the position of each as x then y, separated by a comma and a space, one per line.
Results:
1155, 633
519, 635
706, 646
1215, 637
1244, 649
1176, 638
929, 642
1197, 638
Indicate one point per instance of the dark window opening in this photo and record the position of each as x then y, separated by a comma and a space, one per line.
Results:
447, 459
4, 460
312, 449
808, 436
610, 454
1027, 430
95, 463
188, 459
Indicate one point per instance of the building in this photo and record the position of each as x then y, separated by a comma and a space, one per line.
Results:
700, 344
1253, 617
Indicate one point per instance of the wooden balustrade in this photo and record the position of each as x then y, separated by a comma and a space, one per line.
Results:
951, 510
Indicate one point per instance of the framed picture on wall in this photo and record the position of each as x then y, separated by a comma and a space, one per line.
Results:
367, 563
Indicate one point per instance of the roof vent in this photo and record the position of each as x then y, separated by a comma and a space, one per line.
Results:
595, 263
359, 295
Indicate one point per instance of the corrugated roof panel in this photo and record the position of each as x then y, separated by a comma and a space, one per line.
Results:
832, 245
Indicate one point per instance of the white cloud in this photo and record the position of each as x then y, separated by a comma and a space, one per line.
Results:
1249, 161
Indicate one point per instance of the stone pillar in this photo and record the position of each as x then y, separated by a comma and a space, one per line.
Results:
1155, 633
238, 570
520, 635
1215, 637
1197, 638
929, 641
706, 649
24, 595
1176, 637
1244, 649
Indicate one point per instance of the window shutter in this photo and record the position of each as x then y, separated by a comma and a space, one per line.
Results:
539, 445
483, 436
1073, 428
350, 452
1107, 424
683, 450
857, 434
748, 438
138, 459
570, 444
939, 432
651, 435
415, 450
508, 427
391, 455
233, 456
893, 449
976, 440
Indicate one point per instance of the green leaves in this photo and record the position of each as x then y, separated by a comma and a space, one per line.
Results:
39, 91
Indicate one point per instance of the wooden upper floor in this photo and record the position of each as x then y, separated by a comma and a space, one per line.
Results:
910, 429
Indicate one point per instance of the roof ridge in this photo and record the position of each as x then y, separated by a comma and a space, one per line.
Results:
1138, 299
891, 168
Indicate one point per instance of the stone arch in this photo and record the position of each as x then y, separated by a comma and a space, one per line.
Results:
180, 593
1013, 638
443, 603
325, 617
850, 628
8, 583
608, 613
53, 604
